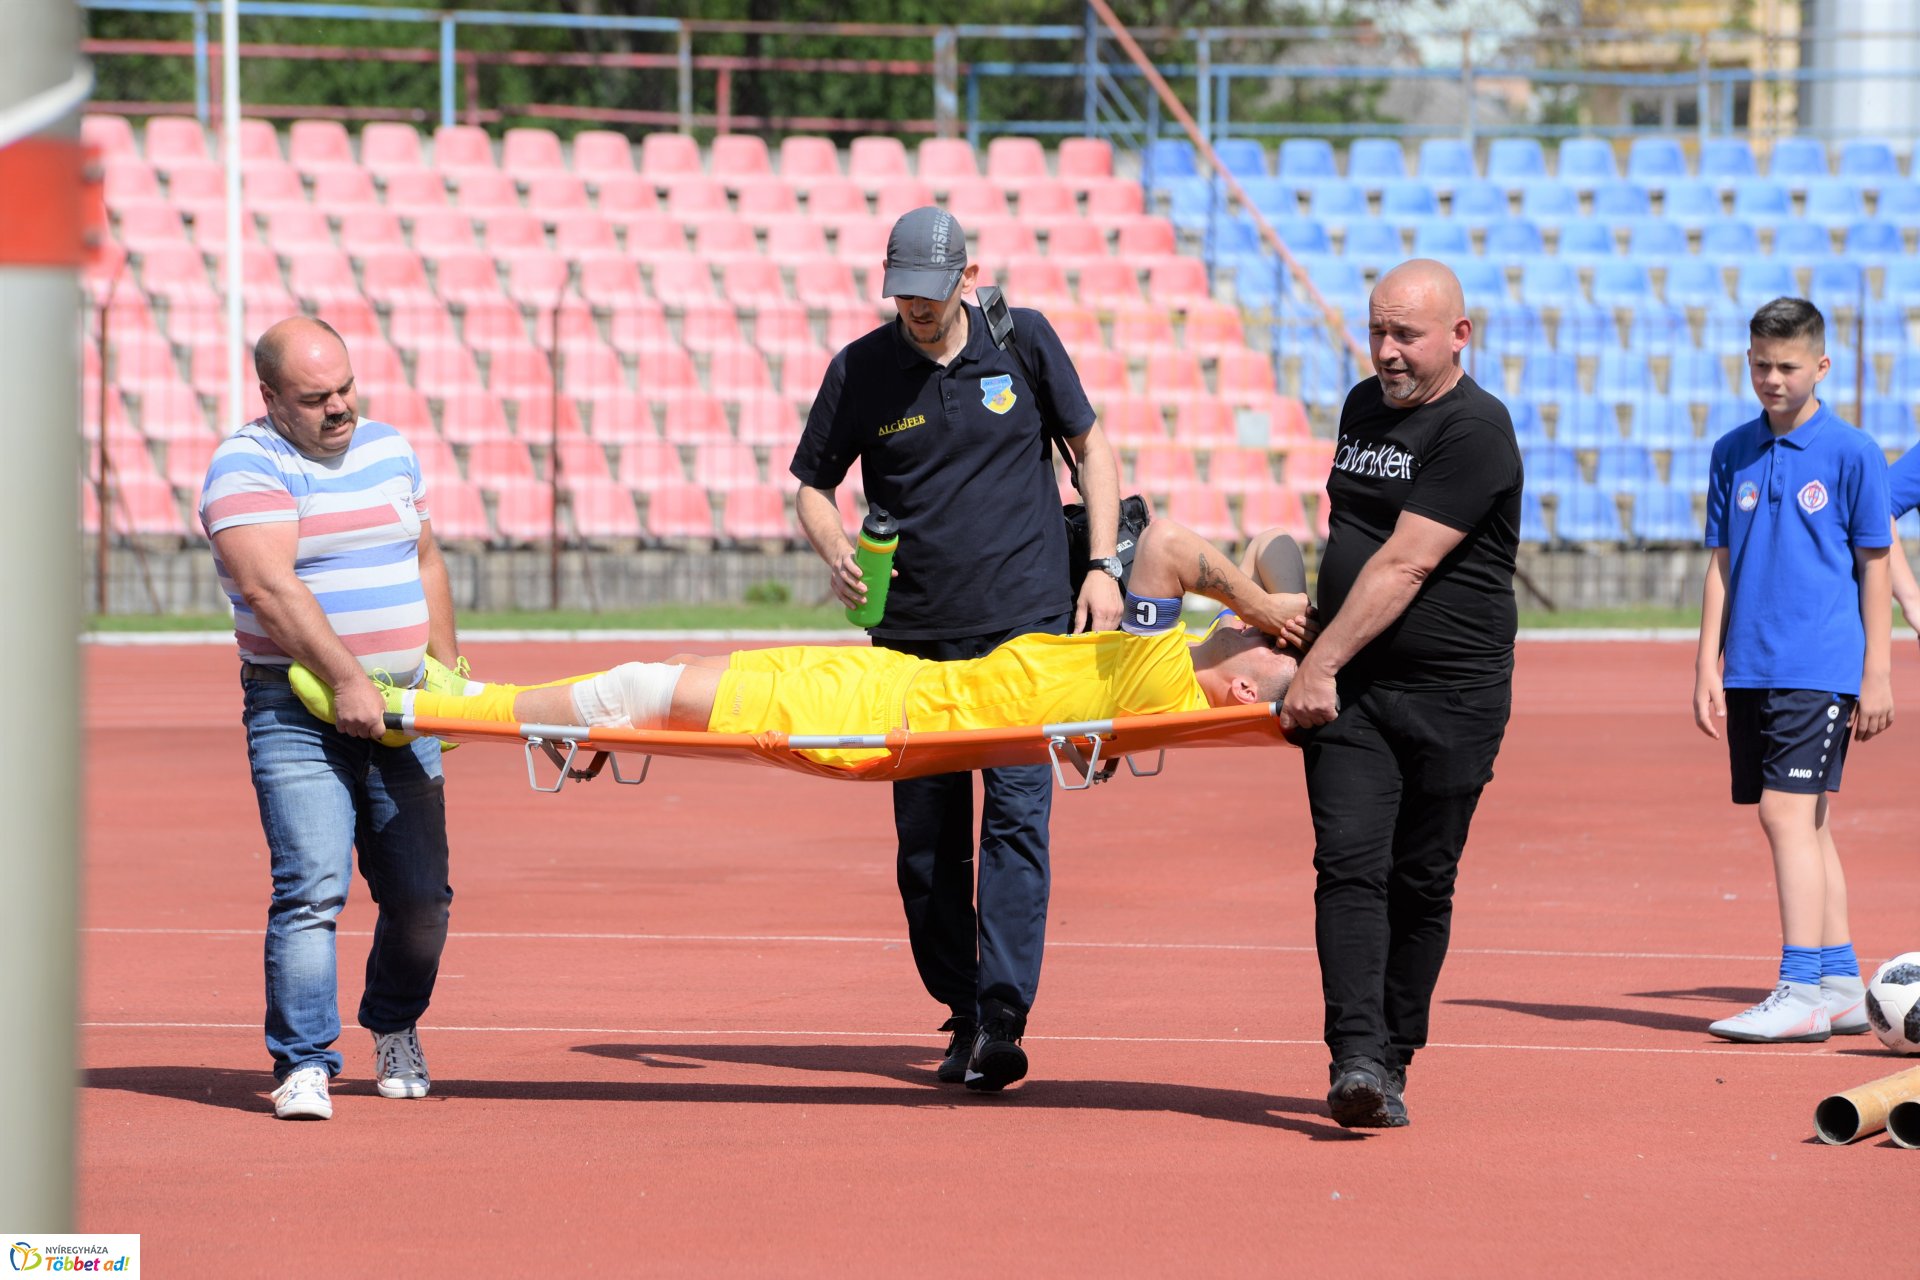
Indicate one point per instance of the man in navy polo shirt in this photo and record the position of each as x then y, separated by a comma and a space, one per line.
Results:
1794, 651
952, 435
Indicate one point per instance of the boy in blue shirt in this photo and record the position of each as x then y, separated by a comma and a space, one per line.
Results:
1795, 639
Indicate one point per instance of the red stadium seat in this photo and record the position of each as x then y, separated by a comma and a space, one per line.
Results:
525, 152
1074, 241
1132, 421
796, 241
522, 509
1037, 282
297, 230
1104, 374
535, 423
611, 282
406, 411
696, 419
1205, 423
129, 180
259, 143
173, 140
1048, 200
806, 161
321, 275
900, 196
1177, 282
876, 162
1240, 469
800, 375
118, 420
944, 162
484, 191
1078, 327
825, 285
753, 283
1204, 510
268, 188
725, 239
516, 372
768, 420
1110, 284
189, 456
458, 513
143, 506
111, 136
618, 194
665, 373
1084, 159
394, 276
386, 147
471, 415
591, 371
599, 154
756, 513
679, 512
171, 411
669, 158
315, 146
1246, 377
1002, 243
682, 282
769, 202
1147, 238
834, 199
641, 326
552, 194
490, 321
129, 459
438, 466
653, 236
650, 465
782, 326
493, 462
724, 464
1214, 329
585, 235
621, 419
1308, 464
445, 371
580, 459
861, 244
1014, 161
852, 320
511, 231
1116, 204
602, 510
363, 231
145, 226
462, 149
695, 200
1275, 508
1139, 332
977, 203
538, 279
739, 155
439, 232
1161, 467
413, 191
174, 268
423, 323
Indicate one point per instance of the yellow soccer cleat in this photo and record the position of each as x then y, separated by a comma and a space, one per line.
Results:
316, 695
441, 678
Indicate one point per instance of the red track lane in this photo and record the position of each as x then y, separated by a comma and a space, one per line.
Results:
678, 1031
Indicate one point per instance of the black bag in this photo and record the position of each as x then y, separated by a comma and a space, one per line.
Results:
1134, 514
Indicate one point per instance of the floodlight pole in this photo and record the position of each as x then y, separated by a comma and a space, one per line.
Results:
236, 244
43, 85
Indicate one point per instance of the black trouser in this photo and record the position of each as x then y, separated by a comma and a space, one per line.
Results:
1393, 782
965, 960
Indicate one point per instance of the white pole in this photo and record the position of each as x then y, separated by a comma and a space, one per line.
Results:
236, 244
42, 88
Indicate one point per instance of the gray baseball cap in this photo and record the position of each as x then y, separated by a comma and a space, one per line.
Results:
926, 252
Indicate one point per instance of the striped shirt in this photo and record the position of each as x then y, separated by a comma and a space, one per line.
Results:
359, 515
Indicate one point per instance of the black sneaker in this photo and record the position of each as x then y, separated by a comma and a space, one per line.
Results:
953, 1067
997, 1059
1358, 1098
1396, 1104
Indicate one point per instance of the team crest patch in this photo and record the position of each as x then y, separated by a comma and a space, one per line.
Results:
1749, 495
997, 393
1813, 497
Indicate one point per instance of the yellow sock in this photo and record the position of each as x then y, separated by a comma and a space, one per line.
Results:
492, 702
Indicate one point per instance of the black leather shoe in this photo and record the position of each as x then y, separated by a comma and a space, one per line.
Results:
1358, 1098
953, 1066
1396, 1104
997, 1059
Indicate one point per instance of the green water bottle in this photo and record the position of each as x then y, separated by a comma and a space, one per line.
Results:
873, 552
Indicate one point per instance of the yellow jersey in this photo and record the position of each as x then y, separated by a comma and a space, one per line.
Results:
1031, 680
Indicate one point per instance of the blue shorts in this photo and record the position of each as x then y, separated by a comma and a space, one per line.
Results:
1791, 740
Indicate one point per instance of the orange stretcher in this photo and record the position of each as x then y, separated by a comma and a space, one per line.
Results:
1081, 753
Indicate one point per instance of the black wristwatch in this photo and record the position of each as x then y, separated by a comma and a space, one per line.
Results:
1110, 565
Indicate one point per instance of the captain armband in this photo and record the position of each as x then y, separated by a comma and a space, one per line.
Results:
1149, 615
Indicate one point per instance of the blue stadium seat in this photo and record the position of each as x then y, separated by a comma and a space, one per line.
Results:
1512, 239
1193, 203
1234, 240
1549, 282
1833, 202
1695, 282
1899, 203
1585, 424
1587, 163
1587, 513
1340, 283
1302, 235
1761, 282
1408, 200
1890, 424
1373, 161
1656, 240
1900, 286
1622, 377
1729, 241
1305, 160
1550, 375
1477, 202
1656, 162
1869, 162
1550, 468
1762, 200
1586, 241
1169, 158
1620, 201
1886, 327
1446, 162
1905, 384
1549, 202
1696, 376
1691, 203
1483, 282
1798, 162
1666, 514
1528, 429
1443, 239
1272, 196
1726, 330
1533, 520
1374, 244
1802, 242
1724, 161
1515, 162
1624, 468
1729, 415
1622, 283
1587, 329
1339, 204
1659, 423
1511, 329
1875, 240
1260, 286
1242, 157
1841, 387
1656, 328
1689, 467
1325, 376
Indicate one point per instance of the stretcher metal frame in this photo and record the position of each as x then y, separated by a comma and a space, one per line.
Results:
1081, 753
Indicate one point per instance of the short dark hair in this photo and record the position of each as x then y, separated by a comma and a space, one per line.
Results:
269, 358
1790, 318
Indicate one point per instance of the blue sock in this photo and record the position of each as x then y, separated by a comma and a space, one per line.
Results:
1839, 962
1800, 964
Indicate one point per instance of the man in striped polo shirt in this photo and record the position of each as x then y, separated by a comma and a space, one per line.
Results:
321, 538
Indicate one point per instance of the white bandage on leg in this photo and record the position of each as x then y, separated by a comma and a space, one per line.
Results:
634, 695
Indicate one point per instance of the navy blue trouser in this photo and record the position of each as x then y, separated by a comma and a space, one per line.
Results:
1393, 783
968, 960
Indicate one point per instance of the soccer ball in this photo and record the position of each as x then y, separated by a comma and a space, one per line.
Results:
1893, 1003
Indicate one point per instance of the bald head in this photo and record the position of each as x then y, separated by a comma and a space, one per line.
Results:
306, 381
1417, 326
305, 335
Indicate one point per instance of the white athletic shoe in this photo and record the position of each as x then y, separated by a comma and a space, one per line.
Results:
303, 1095
1846, 1004
399, 1068
1796, 1012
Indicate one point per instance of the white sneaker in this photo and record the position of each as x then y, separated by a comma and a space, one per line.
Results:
1846, 1004
1796, 1012
399, 1068
303, 1095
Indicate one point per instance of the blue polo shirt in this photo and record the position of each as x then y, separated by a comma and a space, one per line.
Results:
960, 456
1791, 510
1903, 482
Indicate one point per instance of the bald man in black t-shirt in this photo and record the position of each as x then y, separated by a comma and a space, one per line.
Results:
1403, 700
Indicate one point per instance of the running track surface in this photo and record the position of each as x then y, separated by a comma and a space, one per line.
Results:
678, 1031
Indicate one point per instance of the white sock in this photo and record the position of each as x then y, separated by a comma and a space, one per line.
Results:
636, 695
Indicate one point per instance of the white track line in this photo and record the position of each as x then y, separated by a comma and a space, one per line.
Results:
762, 939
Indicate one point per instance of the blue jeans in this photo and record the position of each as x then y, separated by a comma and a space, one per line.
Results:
322, 793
